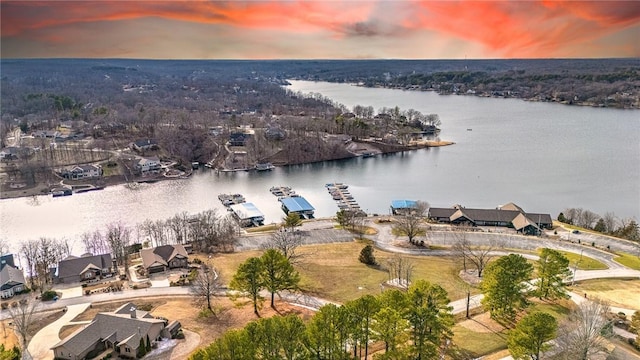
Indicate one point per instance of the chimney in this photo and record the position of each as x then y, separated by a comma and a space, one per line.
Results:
132, 310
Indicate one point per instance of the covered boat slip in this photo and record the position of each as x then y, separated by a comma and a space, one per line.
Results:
247, 214
297, 204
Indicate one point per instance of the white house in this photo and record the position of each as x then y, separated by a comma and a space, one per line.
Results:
148, 166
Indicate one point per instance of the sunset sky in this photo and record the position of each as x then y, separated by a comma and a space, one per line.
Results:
330, 29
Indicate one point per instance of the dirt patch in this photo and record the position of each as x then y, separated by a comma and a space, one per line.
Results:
470, 277
482, 324
8, 338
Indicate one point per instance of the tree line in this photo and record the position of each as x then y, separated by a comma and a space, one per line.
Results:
608, 224
415, 324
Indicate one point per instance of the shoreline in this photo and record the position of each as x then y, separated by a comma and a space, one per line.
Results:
44, 189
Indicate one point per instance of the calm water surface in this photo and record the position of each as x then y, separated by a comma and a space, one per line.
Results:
544, 157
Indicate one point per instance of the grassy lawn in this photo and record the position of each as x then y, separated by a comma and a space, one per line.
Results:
618, 292
332, 271
584, 262
628, 260
478, 336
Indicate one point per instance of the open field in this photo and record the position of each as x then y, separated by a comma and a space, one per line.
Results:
583, 262
618, 292
628, 260
333, 272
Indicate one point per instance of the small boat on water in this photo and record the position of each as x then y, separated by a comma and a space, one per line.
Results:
264, 167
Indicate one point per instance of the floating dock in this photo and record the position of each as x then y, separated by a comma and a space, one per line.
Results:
231, 199
345, 201
247, 214
282, 191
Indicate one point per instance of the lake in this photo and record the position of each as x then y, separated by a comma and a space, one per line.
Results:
544, 157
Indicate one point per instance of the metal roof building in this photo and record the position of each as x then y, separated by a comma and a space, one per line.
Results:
247, 212
297, 204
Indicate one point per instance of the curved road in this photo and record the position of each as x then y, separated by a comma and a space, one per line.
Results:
323, 231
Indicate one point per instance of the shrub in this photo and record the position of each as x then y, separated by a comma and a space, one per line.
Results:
366, 256
48, 295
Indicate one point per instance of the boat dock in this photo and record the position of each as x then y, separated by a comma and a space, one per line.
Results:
247, 214
292, 202
231, 199
282, 191
345, 201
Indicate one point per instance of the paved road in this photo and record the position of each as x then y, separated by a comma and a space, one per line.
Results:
323, 231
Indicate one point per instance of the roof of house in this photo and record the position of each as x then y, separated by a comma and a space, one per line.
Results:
403, 204
161, 254
505, 213
6, 259
152, 160
246, 211
73, 266
145, 142
117, 327
10, 275
296, 203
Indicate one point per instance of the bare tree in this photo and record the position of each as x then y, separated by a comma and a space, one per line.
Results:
400, 270
4, 246
119, 238
479, 256
29, 251
205, 285
179, 227
22, 319
411, 223
610, 222
287, 242
583, 334
49, 252
587, 219
94, 242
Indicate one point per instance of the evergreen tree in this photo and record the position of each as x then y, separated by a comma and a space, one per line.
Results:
277, 273
366, 256
531, 335
504, 286
553, 268
249, 279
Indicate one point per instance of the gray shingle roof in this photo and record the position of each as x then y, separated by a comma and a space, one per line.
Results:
118, 327
74, 266
161, 254
10, 277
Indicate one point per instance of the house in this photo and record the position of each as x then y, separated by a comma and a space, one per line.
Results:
509, 215
274, 132
123, 330
11, 278
147, 166
403, 207
238, 139
164, 257
87, 267
50, 134
82, 172
13, 153
145, 144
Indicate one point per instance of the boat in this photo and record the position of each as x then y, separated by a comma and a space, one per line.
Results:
61, 192
264, 167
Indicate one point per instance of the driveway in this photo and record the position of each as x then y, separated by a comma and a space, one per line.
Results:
39, 346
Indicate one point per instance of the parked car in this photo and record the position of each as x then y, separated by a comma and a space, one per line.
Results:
575, 232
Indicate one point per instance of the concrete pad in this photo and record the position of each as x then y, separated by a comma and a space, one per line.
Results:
71, 292
159, 283
43, 340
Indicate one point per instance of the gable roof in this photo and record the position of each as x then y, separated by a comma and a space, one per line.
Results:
145, 142
109, 325
504, 214
73, 266
161, 254
10, 276
403, 204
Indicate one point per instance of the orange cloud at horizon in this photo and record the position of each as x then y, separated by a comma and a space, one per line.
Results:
300, 29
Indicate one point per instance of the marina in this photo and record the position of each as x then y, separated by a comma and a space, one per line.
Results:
292, 202
343, 198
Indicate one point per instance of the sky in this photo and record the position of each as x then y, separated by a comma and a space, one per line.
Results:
328, 29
